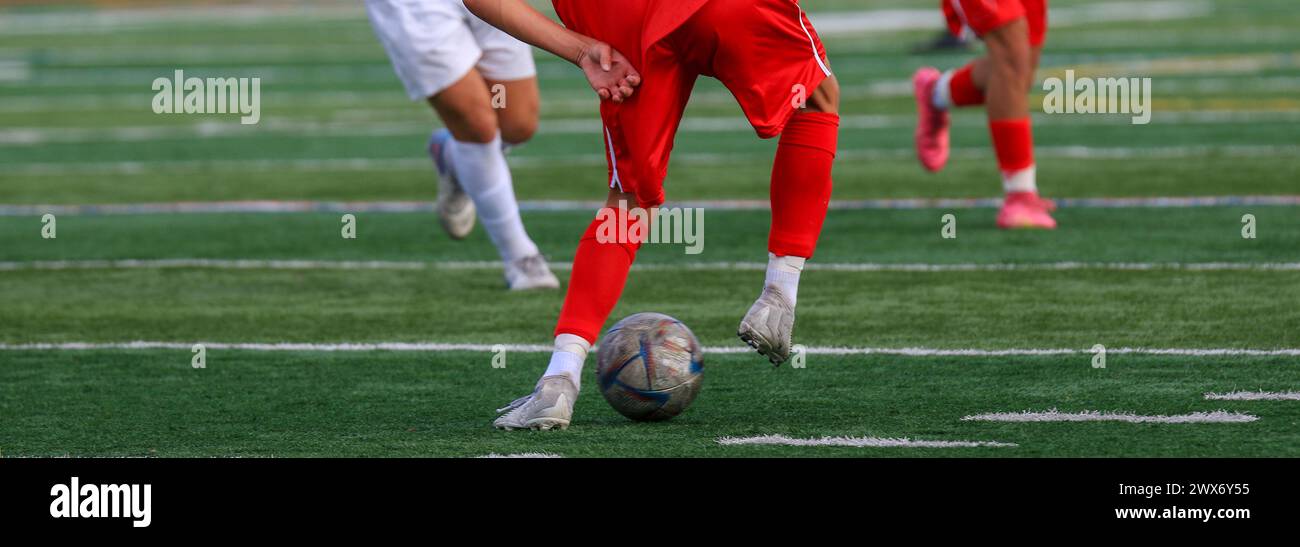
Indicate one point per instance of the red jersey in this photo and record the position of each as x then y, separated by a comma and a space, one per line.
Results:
982, 16
765, 51
652, 19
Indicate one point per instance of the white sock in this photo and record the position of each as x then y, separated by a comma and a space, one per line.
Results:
942, 97
1019, 181
482, 171
570, 352
783, 271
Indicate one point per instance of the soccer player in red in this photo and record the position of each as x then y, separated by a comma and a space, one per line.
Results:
643, 57
1013, 32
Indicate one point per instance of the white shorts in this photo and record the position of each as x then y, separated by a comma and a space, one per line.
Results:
434, 43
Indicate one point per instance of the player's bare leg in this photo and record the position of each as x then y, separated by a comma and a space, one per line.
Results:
1000, 81
1006, 73
826, 98
517, 104
800, 195
1007, 76
471, 157
460, 107
600, 270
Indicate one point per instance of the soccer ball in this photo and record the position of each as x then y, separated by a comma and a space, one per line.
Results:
649, 367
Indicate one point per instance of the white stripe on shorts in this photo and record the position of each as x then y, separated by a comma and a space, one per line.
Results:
825, 69
613, 162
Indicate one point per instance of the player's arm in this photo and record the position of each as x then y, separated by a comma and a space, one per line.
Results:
608, 72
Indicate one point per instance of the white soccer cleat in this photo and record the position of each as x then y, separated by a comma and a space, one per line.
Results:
529, 273
455, 208
549, 406
769, 324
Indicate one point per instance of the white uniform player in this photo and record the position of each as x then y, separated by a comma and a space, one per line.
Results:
483, 85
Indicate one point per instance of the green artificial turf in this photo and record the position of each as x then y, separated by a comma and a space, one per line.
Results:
76, 129
440, 404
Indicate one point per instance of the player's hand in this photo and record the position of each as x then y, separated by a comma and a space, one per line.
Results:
610, 74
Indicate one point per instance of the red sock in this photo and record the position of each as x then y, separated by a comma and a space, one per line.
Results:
962, 90
801, 183
1013, 141
599, 272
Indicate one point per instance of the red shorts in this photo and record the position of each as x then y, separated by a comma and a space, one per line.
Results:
764, 51
983, 16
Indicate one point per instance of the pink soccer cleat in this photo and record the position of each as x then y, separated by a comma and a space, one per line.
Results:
1026, 210
931, 123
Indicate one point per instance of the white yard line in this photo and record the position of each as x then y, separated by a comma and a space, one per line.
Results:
31, 136
254, 264
94, 55
859, 442
355, 207
191, 53
277, 206
1172, 38
524, 455
112, 21
283, 346
14, 70
389, 105
241, 264
854, 23
137, 167
1243, 63
828, 23
1254, 396
1218, 416
545, 348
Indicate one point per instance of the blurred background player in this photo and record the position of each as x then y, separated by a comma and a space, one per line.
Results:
945, 42
445, 55
1013, 32
767, 54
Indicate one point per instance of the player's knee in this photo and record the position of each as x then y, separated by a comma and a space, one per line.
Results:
1023, 71
480, 127
1013, 66
1035, 55
1011, 58
518, 131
